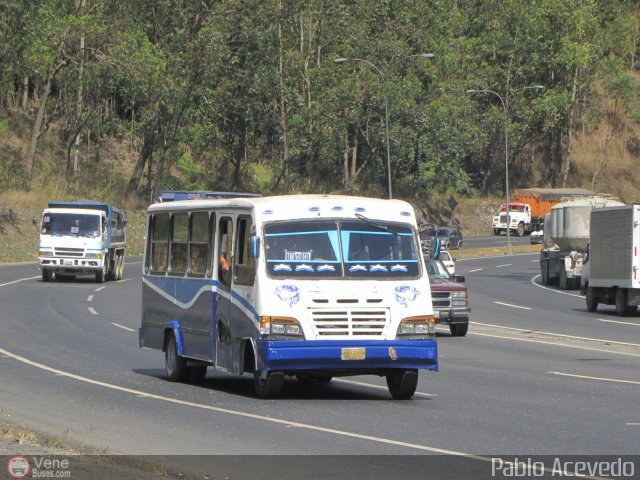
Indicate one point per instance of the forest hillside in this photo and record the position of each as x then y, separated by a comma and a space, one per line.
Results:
119, 100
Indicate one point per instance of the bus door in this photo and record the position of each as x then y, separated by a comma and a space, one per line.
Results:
223, 337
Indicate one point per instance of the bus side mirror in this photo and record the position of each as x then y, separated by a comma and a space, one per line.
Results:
255, 246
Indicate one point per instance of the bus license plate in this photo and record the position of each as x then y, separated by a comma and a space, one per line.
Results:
357, 353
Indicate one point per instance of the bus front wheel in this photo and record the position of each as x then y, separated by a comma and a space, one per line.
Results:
402, 384
174, 364
268, 384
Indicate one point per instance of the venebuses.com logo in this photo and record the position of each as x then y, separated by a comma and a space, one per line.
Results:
18, 467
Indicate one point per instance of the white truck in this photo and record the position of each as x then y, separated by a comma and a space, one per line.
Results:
82, 238
611, 274
566, 235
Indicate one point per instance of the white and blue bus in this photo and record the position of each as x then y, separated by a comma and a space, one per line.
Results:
319, 286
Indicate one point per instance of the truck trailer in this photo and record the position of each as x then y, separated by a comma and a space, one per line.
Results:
611, 273
566, 234
82, 238
529, 206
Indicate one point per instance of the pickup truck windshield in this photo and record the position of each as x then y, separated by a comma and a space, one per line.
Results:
71, 224
341, 248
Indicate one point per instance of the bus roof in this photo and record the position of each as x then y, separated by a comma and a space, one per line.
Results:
288, 207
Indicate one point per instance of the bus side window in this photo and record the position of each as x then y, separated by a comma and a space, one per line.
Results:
225, 252
245, 269
198, 244
179, 243
159, 238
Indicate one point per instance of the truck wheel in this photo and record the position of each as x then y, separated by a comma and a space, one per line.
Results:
174, 365
592, 303
402, 384
622, 309
268, 384
520, 229
544, 272
46, 275
459, 330
113, 266
562, 281
121, 267
496, 231
101, 275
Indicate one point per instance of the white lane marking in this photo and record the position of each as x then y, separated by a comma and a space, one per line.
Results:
505, 265
514, 306
555, 344
370, 385
618, 321
600, 340
122, 327
99, 288
535, 261
476, 270
18, 281
92, 310
633, 423
533, 281
133, 263
239, 413
90, 298
123, 280
602, 379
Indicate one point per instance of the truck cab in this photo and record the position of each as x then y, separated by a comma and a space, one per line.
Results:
82, 238
519, 220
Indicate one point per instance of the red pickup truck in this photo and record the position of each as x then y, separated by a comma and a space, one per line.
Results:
449, 297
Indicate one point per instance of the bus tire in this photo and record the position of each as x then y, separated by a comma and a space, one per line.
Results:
268, 384
174, 364
402, 384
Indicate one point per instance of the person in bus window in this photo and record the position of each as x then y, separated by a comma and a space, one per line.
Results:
224, 262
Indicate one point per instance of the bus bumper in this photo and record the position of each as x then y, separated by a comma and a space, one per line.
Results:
348, 357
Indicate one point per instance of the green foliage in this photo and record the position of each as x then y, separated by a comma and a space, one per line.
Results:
245, 95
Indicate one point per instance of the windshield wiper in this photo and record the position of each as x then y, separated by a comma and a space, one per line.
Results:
384, 228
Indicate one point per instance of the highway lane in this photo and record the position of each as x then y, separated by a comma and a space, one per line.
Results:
506, 291
493, 395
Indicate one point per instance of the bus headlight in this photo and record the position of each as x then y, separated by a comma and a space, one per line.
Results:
281, 327
420, 327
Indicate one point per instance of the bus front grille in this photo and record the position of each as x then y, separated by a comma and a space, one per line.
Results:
350, 323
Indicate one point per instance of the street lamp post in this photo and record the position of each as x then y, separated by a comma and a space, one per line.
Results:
339, 61
506, 152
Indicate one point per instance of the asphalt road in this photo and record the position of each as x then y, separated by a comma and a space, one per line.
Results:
537, 374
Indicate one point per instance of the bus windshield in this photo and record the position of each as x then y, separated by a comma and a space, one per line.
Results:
341, 248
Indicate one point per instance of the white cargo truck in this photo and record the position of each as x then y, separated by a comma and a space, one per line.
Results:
611, 274
82, 238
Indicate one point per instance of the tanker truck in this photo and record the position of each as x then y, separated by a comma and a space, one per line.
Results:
566, 233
